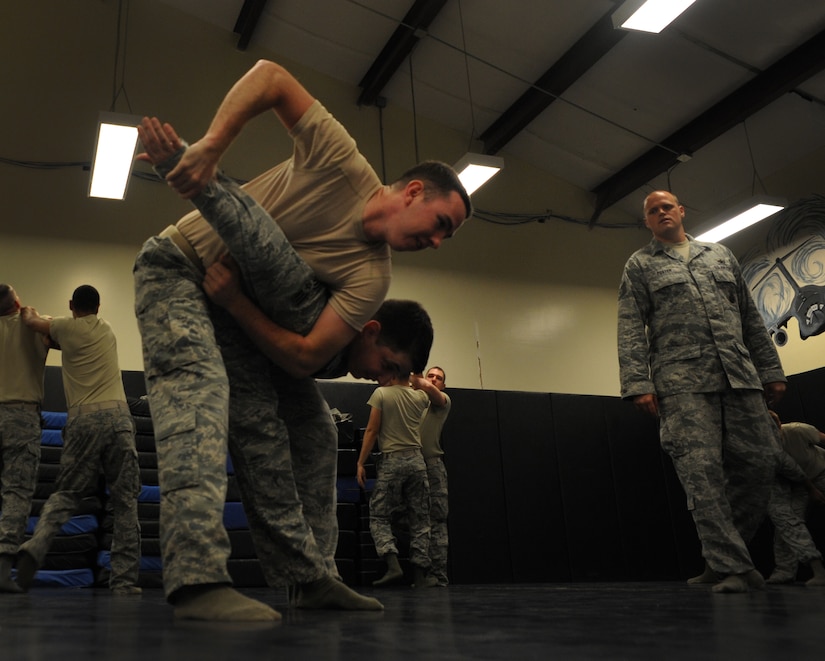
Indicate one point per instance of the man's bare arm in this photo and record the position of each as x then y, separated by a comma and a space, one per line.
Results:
300, 355
266, 86
34, 321
437, 398
367, 444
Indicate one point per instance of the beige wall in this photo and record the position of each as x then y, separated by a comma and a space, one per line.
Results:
531, 336
45, 272
493, 329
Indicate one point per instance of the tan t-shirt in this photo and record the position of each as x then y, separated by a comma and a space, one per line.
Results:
91, 372
317, 197
22, 361
431, 426
800, 441
401, 410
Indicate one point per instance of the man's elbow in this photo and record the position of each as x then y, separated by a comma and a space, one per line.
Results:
273, 72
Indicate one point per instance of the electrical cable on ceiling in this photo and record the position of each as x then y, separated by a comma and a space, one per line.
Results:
755, 176
120, 56
381, 140
503, 218
469, 86
494, 217
415, 121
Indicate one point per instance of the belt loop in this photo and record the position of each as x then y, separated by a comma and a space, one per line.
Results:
174, 234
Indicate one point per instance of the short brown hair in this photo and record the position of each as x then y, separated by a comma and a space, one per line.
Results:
439, 179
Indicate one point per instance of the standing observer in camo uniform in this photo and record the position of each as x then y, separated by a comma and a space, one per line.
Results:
99, 437
401, 486
22, 363
693, 349
431, 425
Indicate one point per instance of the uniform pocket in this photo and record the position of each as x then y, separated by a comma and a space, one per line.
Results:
679, 352
175, 333
178, 451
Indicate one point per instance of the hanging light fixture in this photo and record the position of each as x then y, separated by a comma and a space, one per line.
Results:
115, 148
475, 170
117, 136
739, 217
648, 15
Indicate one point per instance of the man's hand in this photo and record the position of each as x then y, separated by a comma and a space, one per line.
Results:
39, 324
27, 313
418, 382
648, 403
222, 282
160, 141
774, 392
361, 476
197, 167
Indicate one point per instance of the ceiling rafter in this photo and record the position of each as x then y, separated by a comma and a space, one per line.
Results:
781, 77
247, 21
580, 57
398, 47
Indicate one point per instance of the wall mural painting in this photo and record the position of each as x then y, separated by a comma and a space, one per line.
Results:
786, 275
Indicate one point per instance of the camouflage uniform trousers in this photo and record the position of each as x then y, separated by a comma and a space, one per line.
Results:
401, 486
189, 393
19, 458
724, 447
439, 509
282, 423
284, 449
792, 542
100, 441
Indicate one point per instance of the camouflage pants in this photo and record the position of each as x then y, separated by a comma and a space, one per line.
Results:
439, 509
284, 455
94, 442
723, 447
284, 449
280, 429
792, 542
402, 486
19, 459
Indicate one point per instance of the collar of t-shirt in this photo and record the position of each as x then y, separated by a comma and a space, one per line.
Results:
682, 248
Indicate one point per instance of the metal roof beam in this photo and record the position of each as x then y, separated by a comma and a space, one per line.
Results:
588, 50
781, 77
247, 21
398, 47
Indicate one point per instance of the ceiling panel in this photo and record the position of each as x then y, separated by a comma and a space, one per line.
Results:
640, 92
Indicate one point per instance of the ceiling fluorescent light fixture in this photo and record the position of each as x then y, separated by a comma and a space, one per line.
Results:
115, 148
740, 217
475, 170
650, 16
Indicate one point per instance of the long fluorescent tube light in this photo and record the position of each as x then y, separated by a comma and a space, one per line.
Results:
755, 211
650, 16
475, 170
115, 148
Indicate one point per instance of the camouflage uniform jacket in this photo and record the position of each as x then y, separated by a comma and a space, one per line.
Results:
690, 326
